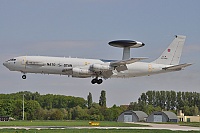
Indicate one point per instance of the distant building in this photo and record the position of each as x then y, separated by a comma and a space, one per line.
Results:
184, 118
132, 116
162, 116
4, 118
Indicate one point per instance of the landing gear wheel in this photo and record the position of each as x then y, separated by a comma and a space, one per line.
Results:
23, 76
94, 81
99, 81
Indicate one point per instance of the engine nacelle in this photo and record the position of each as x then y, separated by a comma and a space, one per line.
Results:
81, 72
100, 67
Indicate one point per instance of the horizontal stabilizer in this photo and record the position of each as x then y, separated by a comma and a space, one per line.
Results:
124, 62
177, 67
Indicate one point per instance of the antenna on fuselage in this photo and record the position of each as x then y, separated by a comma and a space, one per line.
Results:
126, 45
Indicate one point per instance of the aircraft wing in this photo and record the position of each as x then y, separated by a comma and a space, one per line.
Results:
177, 67
124, 62
121, 65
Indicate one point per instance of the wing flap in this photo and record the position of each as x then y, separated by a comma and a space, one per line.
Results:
121, 68
176, 67
107, 74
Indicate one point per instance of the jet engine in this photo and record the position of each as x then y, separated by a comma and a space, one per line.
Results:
79, 72
100, 67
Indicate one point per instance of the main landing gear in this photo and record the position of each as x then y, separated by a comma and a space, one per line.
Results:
23, 76
96, 80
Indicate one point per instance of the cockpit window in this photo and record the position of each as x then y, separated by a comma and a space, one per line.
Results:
12, 60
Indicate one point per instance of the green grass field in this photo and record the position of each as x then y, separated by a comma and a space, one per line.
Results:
192, 124
82, 124
67, 123
91, 131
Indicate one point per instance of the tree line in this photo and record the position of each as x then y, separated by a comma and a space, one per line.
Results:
56, 107
188, 102
60, 107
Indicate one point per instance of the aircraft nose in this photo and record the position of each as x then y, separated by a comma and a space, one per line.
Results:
5, 64
8, 65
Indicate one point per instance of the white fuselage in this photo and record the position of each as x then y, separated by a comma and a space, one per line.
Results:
65, 66
84, 68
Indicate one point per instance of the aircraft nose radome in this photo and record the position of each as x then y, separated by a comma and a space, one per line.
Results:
5, 64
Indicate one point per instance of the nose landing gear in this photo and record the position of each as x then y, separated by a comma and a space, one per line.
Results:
23, 76
96, 80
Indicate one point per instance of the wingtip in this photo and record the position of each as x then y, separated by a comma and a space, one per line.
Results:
180, 36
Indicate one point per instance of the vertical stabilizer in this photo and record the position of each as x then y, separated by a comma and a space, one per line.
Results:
172, 55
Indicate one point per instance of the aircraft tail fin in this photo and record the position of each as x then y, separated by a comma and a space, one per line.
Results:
171, 56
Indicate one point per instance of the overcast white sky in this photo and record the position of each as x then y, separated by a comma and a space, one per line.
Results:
83, 28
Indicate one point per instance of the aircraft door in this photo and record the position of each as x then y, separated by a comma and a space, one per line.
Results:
150, 68
24, 62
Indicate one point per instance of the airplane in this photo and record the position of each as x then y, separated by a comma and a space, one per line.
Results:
100, 69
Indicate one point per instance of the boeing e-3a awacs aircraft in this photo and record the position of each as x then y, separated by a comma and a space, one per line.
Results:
98, 69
